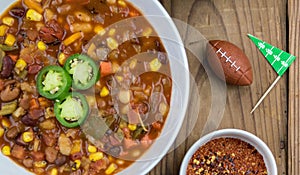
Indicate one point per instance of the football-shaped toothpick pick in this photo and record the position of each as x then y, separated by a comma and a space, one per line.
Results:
227, 59
279, 60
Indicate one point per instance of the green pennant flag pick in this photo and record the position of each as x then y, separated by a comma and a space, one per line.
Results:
279, 60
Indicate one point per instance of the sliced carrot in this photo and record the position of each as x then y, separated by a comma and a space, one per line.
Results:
34, 103
129, 143
146, 141
105, 68
14, 57
134, 13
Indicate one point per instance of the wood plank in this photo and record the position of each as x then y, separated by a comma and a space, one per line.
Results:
294, 82
231, 20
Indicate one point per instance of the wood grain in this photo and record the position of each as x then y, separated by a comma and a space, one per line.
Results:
294, 82
231, 20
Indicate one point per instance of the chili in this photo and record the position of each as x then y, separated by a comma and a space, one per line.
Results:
72, 110
84, 71
53, 82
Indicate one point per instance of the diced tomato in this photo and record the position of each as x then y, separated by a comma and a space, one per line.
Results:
105, 68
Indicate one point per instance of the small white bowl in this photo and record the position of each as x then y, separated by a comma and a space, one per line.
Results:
260, 146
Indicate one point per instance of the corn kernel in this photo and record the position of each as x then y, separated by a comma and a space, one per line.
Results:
1, 131
34, 15
5, 123
132, 127
49, 113
120, 162
123, 124
27, 137
104, 92
3, 30
112, 32
10, 39
41, 45
8, 21
6, 150
119, 78
76, 147
96, 156
147, 32
77, 165
111, 168
155, 65
54, 171
62, 58
72, 38
133, 63
92, 149
99, 30
122, 3
40, 164
112, 43
20, 65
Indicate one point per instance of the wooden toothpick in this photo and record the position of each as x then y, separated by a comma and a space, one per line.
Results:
265, 94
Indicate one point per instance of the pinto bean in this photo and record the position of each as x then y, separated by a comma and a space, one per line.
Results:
12, 132
49, 139
10, 93
51, 154
32, 34
47, 124
38, 156
65, 145
52, 32
7, 67
28, 162
24, 101
18, 152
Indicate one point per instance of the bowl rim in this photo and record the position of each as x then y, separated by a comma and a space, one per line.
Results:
243, 135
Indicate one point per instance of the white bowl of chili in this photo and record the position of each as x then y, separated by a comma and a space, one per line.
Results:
225, 150
174, 48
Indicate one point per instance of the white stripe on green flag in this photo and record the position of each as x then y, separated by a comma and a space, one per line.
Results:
279, 59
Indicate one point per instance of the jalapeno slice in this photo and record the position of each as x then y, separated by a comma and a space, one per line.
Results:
53, 82
72, 110
84, 71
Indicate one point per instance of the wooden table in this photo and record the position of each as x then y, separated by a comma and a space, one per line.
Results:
276, 120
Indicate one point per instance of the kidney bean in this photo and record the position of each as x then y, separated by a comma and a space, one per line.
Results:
36, 113
61, 159
17, 12
29, 121
7, 67
52, 32
34, 69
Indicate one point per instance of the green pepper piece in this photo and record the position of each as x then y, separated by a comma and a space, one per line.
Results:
72, 110
53, 82
8, 108
8, 48
84, 71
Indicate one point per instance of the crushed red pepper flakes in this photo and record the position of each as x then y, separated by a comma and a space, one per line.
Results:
228, 156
